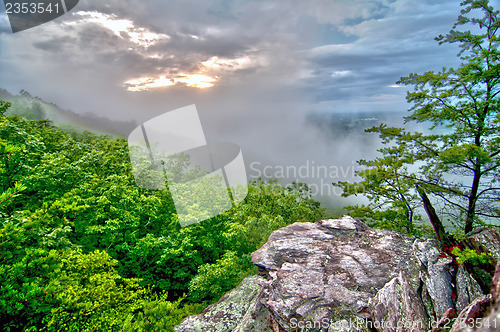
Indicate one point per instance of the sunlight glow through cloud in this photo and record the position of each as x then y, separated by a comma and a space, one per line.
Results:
227, 64
147, 83
197, 81
210, 71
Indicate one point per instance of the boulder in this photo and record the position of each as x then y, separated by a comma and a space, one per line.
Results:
472, 314
445, 322
495, 285
488, 315
341, 275
327, 271
483, 314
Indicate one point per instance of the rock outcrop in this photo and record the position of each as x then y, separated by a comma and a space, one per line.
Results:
341, 275
491, 320
471, 314
467, 289
329, 270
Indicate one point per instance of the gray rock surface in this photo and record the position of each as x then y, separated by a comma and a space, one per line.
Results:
467, 289
445, 322
483, 314
491, 320
397, 307
436, 274
488, 312
472, 314
341, 275
329, 270
495, 284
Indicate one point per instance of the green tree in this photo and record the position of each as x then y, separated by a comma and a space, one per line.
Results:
458, 161
388, 184
213, 280
27, 107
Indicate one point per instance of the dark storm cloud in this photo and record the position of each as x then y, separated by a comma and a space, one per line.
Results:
191, 38
227, 46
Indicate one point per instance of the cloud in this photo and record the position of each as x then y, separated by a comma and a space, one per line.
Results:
385, 48
4, 20
341, 11
123, 28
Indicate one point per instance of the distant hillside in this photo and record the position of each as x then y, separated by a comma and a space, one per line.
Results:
34, 108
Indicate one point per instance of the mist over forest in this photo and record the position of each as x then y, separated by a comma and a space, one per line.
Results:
335, 142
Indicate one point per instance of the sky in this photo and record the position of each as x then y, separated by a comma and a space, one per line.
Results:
257, 70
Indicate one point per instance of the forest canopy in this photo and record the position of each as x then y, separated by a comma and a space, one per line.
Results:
83, 248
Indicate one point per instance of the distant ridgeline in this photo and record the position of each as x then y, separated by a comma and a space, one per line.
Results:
34, 108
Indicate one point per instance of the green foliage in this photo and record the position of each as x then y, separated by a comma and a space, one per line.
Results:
158, 314
458, 161
28, 108
72, 291
11, 192
471, 256
213, 280
25, 296
190, 194
481, 265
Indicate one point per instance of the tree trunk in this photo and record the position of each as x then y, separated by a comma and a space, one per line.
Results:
471, 209
441, 233
409, 214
